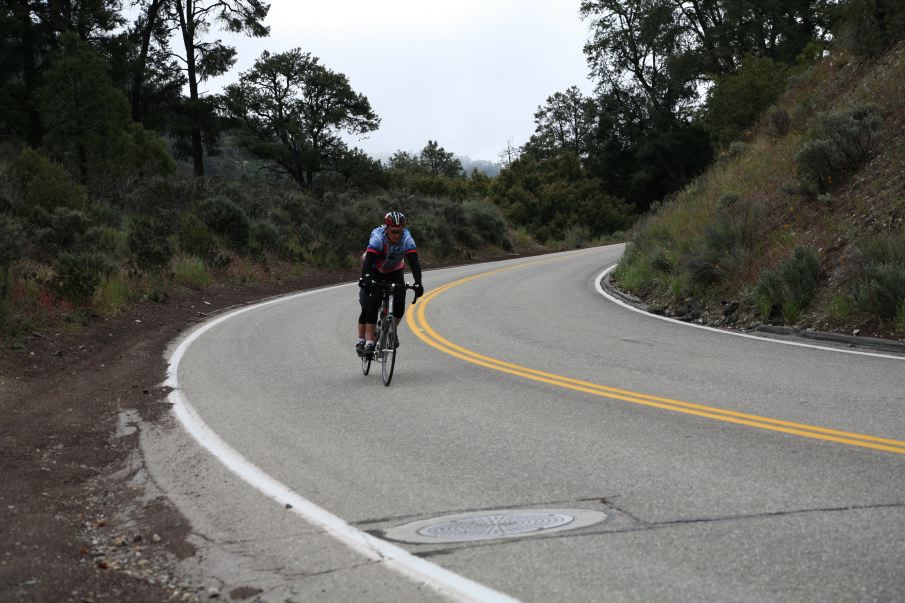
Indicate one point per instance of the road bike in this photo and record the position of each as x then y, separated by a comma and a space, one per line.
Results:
387, 341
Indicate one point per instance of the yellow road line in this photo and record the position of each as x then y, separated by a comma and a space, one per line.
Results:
417, 321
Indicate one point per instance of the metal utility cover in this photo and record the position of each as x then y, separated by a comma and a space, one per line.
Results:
491, 525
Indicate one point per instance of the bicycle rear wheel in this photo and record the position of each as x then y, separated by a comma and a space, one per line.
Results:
365, 365
388, 345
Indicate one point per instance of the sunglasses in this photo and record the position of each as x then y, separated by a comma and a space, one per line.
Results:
394, 231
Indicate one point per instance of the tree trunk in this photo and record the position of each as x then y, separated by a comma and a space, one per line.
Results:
138, 78
187, 24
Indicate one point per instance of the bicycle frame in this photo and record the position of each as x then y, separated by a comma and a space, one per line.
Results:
385, 349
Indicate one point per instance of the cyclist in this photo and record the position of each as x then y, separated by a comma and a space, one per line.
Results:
389, 247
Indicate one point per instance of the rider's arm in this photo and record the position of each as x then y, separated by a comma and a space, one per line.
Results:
370, 261
414, 265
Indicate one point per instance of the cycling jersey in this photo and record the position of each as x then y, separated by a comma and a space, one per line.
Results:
390, 257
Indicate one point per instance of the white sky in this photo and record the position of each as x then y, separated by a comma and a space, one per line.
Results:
467, 73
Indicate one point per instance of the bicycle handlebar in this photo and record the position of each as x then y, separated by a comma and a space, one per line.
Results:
392, 286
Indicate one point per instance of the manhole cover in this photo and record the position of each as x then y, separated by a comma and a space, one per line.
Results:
489, 525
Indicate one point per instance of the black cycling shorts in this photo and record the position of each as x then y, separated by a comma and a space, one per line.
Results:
370, 303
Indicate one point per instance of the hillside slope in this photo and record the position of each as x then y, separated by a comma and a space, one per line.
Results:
802, 223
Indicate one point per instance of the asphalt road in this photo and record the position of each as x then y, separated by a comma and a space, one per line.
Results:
728, 468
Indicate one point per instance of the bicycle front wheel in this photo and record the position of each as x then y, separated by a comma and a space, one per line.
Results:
388, 341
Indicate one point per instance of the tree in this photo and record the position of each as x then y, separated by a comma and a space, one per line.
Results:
566, 122
87, 120
206, 59
438, 161
293, 110
636, 51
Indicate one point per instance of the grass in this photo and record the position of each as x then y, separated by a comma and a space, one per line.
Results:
113, 295
190, 271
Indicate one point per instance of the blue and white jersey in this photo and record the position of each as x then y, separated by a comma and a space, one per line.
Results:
390, 257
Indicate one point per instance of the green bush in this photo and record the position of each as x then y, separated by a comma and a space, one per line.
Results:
45, 184
881, 290
839, 142
265, 236
791, 288
227, 219
79, 274
723, 250
195, 238
148, 244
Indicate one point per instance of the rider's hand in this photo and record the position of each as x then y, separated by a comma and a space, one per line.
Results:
418, 288
365, 282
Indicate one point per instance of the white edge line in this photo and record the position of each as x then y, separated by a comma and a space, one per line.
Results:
599, 279
444, 582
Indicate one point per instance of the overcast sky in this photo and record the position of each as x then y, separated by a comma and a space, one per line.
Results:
467, 73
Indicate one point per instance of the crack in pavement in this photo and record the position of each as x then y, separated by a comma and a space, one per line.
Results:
644, 526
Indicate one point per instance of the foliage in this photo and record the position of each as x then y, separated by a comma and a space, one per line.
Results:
191, 271
79, 274
723, 251
44, 185
869, 27
737, 99
778, 122
293, 111
148, 244
839, 142
792, 287
88, 123
566, 123
548, 197
878, 284
227, 219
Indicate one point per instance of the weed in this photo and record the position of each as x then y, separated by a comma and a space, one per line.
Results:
191, 271
112, 295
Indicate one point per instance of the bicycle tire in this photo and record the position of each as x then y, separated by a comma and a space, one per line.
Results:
365, 365
388, 340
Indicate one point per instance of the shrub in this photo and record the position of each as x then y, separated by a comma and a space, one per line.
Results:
79, 274
195, 238
265, 236
227, 219
801, 275
723, 249
778, 122
45, 184
791, 288
839, 142
148, 244
881, 290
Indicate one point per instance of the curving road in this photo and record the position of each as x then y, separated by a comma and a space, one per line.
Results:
728, 468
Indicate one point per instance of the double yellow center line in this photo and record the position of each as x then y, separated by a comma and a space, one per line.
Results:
419, 325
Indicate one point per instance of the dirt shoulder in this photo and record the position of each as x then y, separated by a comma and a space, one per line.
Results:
77, 522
